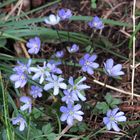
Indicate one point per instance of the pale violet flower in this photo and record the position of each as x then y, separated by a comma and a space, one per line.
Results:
36, 91
40, 72
52, 68
34, 45
96, 23
52, 19
74, 48
19, 121
55, 82
27, 103
69, 97
19, 79
113, 117
77, 87
22, 67
59, 54
88, 64
71, 113
112, 71
64, 14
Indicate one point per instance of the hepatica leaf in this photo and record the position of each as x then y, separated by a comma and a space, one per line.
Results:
93, 4
47, 129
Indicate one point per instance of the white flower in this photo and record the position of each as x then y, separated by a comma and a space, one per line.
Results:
52, 19
40, 72
55, 82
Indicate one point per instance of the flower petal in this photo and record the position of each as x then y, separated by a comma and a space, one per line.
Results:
108, 125
109, 63
115, 127
106, 120
114, 111
63, 109
120, 119
22, 126
56, 90
64, 117
48, 86
70, 120
63, 85
77, 107
82, 97
93, 57
78, 117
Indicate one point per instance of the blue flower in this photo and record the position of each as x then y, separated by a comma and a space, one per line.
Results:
69, 97
55, 82
27, 103
36, 91
88, 64
52, 19
64, 14
113, 118
19, 78
40, 72
112, 71
96, 23
53, 69
34, 45
71, 113
23, 67
78, 87
19, 121
59, 54
74, 48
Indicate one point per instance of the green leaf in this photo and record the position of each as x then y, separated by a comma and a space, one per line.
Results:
112, 102
93, 4
51, 136
102, 107
37, 113
108, 98
47, 129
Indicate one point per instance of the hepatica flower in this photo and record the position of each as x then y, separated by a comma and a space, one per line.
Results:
78, 87
112, 71
74, 48
19, 121
23, 67
52, 19
113, 118
96, 23
40, 72
88, 64
59, 54
64, 14
55, 82
34, 45
20, 79
36, 91
52, 68
27, 103
71, 113
69, 97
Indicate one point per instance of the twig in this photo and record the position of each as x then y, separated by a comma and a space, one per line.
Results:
116, 89
137, 65
114, 8
13, 9
63, 132
24, 50
133, 64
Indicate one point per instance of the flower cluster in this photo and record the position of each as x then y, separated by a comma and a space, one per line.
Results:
49, 76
